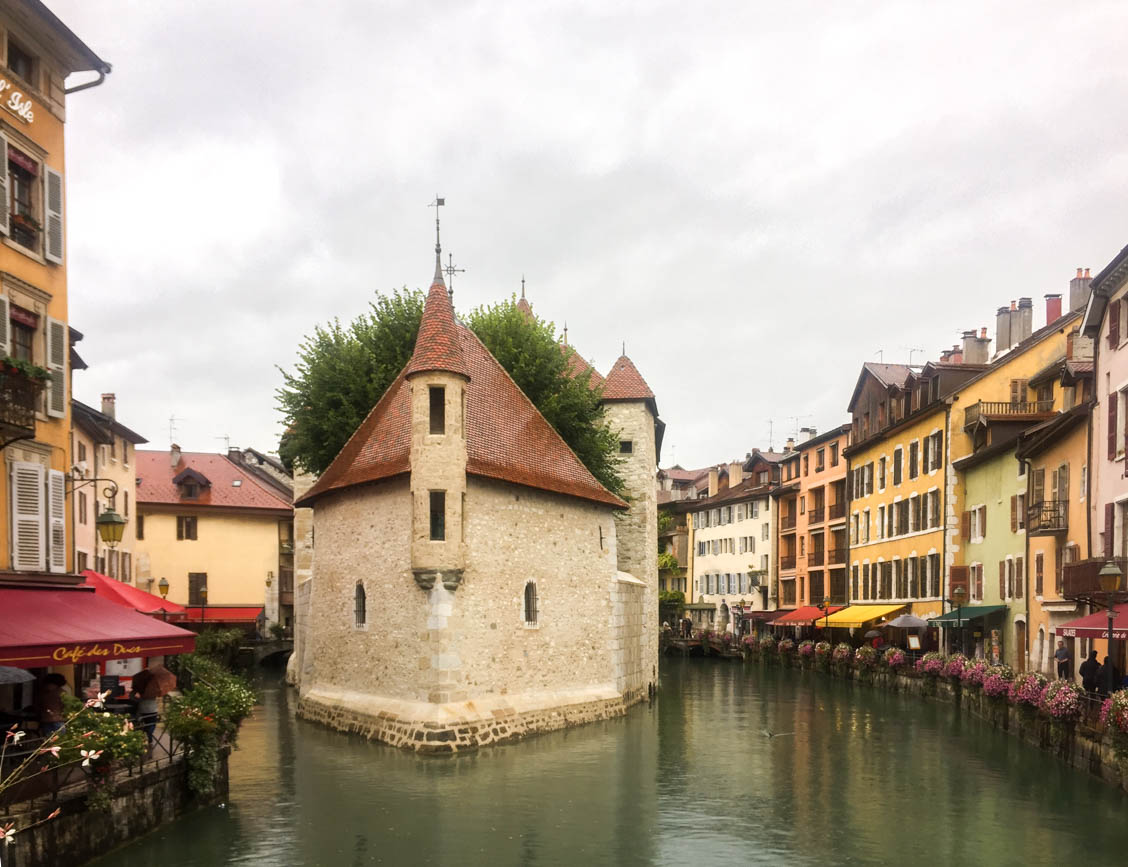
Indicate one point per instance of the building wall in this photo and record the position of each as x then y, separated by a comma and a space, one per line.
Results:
737, 564
992, 484
1110, 481
236, 550
85, 536
875, 549
811, 478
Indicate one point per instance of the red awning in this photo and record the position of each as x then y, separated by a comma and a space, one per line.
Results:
805, 616
39, 628
760, 615
1095, 625
131, 597
223, 614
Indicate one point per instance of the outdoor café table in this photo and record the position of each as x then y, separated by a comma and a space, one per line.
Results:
125, 707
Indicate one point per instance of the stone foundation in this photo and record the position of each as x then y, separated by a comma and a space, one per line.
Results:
449, 728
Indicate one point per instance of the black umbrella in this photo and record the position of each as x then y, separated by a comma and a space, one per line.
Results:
873, 633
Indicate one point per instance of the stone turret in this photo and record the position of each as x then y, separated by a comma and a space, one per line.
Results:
437, 376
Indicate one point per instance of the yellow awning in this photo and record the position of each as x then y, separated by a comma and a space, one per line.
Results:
860, 615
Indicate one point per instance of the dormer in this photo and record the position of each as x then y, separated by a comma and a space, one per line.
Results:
190, 483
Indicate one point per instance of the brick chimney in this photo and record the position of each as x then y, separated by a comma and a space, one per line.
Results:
1053, 308
1079, 290
1002, 329
955, 354
790, 445
108, 404
1025, 319
174, 455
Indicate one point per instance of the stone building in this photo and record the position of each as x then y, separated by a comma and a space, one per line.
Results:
515, 593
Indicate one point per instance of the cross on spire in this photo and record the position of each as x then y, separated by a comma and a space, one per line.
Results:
450, 271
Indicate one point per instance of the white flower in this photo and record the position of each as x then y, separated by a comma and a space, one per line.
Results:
7, 832
16, 736
89, 755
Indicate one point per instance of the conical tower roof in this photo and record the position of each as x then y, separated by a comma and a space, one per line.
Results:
437, 346
624, 382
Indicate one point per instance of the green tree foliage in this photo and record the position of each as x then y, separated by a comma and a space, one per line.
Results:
342, 372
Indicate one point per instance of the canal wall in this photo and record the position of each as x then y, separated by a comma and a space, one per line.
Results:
1078, 745
141, 803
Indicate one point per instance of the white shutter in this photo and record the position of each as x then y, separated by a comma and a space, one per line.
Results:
26, 495
5, 198
57, 348
56, 520
53, 208
5, 326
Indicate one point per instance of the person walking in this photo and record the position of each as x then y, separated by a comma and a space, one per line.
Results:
1103, 677
1090, 671
1063, 658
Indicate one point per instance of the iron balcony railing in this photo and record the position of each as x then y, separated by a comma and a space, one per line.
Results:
787, 522
1048, 516
836, 555
816, 558
787, 562
988, 409
816, 516
837, 511
19, 397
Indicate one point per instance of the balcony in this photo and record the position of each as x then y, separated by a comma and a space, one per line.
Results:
285, 586
787, 562
816, 516
987, 411
1047, 517
837, 511
1081, 579
816, 558
835, 556
19, 397
787, 522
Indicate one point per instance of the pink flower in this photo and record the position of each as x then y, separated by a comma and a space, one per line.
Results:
52, 750
15, 736
89, 756
7, 832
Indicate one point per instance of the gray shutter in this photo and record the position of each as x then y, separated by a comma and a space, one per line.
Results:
57, 347
5, 198
56, 520
53, 210
27, 516
5, 326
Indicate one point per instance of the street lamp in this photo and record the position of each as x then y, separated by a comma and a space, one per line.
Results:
959, 594
1109, 577
163, 587
203, 604
110, 526
825, 606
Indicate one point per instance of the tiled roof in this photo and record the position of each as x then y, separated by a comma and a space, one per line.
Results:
576, 365
525, 307
889, 374
680, 475
155, 486
506, 437
437, 346
747, 489
624, 382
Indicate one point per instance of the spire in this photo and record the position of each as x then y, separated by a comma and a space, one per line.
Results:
438, 203
438, 345
522, 285
565, 332
525, 308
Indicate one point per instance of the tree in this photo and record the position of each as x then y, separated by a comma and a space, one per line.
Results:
340, 375
342, 372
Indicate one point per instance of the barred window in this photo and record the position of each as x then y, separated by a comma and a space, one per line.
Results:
361, 605
531, 603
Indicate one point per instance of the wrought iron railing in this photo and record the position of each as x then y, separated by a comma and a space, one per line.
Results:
1048, 516
19, 398
837, 510
816, 516
787, 562
787, 522
816, 558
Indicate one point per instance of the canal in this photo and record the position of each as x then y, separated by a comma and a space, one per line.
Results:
852, 776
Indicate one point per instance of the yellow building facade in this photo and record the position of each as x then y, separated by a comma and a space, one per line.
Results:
37, 53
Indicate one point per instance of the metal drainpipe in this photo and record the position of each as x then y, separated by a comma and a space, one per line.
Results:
89, 84
1026, 565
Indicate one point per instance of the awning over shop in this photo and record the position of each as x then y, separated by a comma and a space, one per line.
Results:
131, 597
804, 616
39, 628
760, 615
1095, 625
963, 615
778, 613
225, 614
853, 616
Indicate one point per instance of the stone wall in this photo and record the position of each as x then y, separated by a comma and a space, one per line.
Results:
303, 573
141, 804
629, 636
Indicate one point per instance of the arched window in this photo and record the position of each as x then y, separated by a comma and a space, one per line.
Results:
361, 606
531, 603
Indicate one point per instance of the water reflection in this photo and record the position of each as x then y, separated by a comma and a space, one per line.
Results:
866, 778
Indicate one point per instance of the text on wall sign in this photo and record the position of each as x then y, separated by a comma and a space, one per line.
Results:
16, 102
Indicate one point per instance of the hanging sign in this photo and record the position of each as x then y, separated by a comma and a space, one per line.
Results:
16, 102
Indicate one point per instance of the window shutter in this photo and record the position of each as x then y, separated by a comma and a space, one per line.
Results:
1114, 323
56, 521
982, 522
53, 210
1110, 527
1124, 422
27, 516
5, 196
957, 578
57, 364
965, 525
1002, 579
1014, 514
1062, 495
1019, 577
1112, 426
5, 325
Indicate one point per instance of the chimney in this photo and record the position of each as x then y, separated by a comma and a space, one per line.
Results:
1025, 318
714, 482
1015, 324
174, 454
790, 446
108, 404
955, 355
806, 433
974, 348
736, 473
1053, 308
235, 454
1079, 290
1002, 330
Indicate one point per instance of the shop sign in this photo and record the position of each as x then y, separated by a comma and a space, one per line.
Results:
16, 102
79, 652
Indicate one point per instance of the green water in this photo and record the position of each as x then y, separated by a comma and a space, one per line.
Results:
865, 778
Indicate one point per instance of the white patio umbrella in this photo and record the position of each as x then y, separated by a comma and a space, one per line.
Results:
8, 674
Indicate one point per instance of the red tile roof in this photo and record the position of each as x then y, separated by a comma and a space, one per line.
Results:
437, 346
525, 308
507, 437
624, 382
155, 486
576, 365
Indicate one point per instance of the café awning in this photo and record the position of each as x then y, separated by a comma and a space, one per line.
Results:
759, 615
1095, 625
854, 616
224, 614
128, 595
804, 616
43, 627
965, 614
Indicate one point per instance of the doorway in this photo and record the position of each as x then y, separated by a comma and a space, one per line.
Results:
1020, 646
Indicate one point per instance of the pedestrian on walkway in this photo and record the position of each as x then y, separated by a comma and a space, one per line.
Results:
1103, 677
1063, 659
1090, 671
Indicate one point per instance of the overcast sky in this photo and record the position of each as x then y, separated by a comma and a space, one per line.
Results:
756, 197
